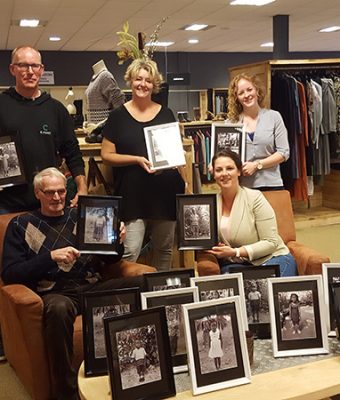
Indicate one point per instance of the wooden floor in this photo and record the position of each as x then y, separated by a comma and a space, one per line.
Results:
316, 216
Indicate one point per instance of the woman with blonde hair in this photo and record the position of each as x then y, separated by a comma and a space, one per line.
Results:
266, 135
149, 198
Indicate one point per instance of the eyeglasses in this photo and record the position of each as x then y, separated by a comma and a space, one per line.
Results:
26, 67
50, 193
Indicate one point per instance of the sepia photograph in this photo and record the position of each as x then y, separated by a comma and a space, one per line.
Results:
96, 306
166, 280
138, 354
227, 136
297, 316
11, 161
99, 225
196, 221
216, 344
330, 275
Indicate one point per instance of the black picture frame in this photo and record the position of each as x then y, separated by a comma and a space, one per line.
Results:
299, 329
151, 376
196, 221
12, 166
229, 345
215, 287
172, 300
330, 274
164, 146
335, 302
226, 135
165, 280
98, 224
256, 276
95, 305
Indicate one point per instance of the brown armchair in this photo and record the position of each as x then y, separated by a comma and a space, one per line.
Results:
21, 312
308, 261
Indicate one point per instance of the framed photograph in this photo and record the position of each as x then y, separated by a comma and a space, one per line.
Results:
165, 280
98, 224
219, 287
12, 170
216, 344
196, 221
164, 146
297, 315
96, 306
172, 300
335, 302
139, 358
226, 135
330, 275
256, 296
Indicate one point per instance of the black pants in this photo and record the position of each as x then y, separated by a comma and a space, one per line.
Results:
60, 311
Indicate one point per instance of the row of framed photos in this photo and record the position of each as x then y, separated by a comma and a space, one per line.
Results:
199, 322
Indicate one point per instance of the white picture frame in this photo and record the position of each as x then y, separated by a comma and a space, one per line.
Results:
172, 299
164, 146
227, 135
330, 273
226, 285
304, 330
234, 370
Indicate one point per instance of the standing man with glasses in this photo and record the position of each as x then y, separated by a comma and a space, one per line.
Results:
44, 129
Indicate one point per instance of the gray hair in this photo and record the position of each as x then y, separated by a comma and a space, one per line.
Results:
17, 49
47, 172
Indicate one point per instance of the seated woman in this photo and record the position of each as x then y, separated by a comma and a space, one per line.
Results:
246, 222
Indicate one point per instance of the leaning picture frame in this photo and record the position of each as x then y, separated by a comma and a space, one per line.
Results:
298, 316
330, 275
164, 146
255, 286
95, 306
165, 280
227, 135
214, 287
172, 300
216, 344
12, 167
98, 224
335, 302
196, 221
138, 354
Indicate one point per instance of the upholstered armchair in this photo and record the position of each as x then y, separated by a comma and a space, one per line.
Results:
21, 312
309, 261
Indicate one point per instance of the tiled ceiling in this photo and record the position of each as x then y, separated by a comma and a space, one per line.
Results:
91, 25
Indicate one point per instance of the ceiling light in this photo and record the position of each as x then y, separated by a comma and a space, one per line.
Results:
330, 29
267, 44
193, 41
31, 23
250, 2
159, 44
54, 38
196, 27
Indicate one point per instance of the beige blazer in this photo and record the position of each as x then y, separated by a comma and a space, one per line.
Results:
253, 226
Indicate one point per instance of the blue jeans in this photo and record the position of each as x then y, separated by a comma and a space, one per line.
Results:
287, 265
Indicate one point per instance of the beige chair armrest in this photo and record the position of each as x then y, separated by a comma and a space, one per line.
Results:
124, 269
309, 261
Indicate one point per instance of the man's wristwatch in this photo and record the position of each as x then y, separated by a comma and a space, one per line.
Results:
259, 165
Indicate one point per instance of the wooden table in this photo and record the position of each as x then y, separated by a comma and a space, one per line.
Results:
311, 381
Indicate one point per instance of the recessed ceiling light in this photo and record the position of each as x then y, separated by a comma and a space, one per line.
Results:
196, 27
54, 38
193, 41
31, 23
250, 2
330, 29
160, 44
267, 44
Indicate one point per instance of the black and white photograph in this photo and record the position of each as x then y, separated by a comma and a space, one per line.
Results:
96, 306
220, 286
227, 136
164, 146
196, 221
172, 300
166, 280
138, 351
256, 296
11, 161
330, 275
297, 315
335, 302
98, 224
216, 344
